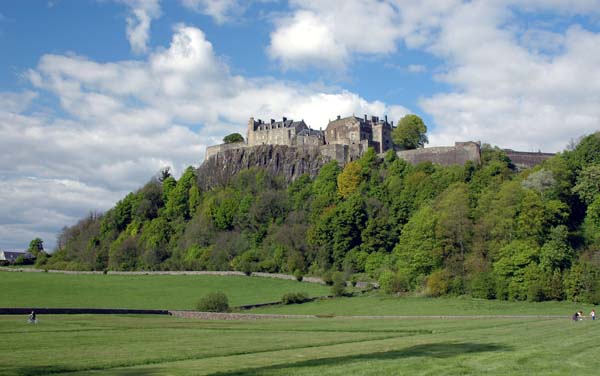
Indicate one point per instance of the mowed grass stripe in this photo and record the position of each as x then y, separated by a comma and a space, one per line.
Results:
102, 349
500, 348
276, 361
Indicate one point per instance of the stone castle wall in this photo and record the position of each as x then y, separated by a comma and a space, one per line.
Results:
524, 160
459, 154
216, 149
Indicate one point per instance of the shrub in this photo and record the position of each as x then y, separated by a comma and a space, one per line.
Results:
327, 277
295, 298
338, 288
41, 259
298, 275
214, 302
392, 283
438, 283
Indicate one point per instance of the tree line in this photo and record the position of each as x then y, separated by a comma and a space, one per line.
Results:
485, 230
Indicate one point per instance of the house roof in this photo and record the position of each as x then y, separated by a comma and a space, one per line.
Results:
11, 256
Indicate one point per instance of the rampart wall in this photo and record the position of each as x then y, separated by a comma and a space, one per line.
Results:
459, 154
216, 149
524, 160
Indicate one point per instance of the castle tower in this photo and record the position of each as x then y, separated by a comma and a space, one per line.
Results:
250, 137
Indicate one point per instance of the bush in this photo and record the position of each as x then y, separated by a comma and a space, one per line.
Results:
392, 283
41, 259
295, 298
213, 302
338, 288
298, 275
438, 283
327, 277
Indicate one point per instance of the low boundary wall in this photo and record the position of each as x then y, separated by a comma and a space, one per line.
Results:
80, 311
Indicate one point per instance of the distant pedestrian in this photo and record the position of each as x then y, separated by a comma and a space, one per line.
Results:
32, 318
593, 314
575, 316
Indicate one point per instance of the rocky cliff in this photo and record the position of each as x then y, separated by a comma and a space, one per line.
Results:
291, 162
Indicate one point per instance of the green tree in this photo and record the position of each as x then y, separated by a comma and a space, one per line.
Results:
540, 181
417, 251
36, 246
556, 253
588, 184
454, 226
178, 199
410, 132
233, 137
349, 179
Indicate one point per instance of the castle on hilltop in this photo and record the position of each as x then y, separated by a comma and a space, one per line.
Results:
344, 139
351, 130
347, 139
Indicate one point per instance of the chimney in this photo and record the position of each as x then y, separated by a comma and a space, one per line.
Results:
272, 121
338, 117
365, 118
386, 118
284, 119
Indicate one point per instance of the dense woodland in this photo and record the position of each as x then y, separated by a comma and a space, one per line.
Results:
485, 230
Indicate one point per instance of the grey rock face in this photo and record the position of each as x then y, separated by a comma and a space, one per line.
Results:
290, 162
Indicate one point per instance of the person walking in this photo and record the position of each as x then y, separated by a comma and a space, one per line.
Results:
593, 314
32, 318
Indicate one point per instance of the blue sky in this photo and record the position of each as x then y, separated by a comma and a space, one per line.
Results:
97, 95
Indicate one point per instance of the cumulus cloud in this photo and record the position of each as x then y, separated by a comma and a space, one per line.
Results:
142, 12
327, 33
120, 122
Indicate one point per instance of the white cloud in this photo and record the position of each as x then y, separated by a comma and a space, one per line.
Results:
125, 120
327, 33
34, 207
16, 102
220, 10
416, 68
138, 22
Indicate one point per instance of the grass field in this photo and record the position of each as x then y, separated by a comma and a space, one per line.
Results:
162, 345
377, 304
54, 290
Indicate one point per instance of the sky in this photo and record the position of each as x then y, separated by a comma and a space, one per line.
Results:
96, 96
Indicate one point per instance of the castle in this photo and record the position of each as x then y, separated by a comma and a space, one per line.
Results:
347, 139
344, 139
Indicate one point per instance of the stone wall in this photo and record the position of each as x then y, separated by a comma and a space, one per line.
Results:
459, 154
524, 160
216, 149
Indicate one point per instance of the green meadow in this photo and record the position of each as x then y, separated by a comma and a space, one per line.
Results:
331, 344
54, 290
163, 345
